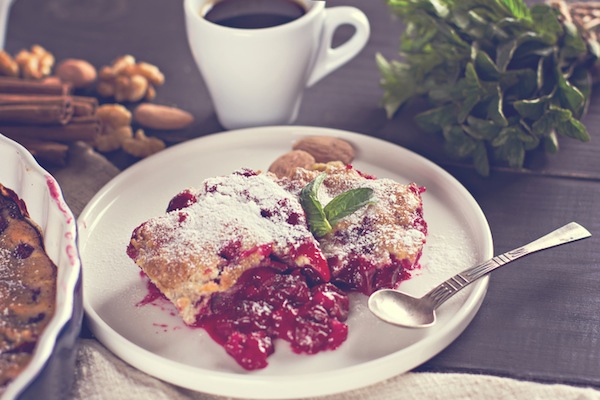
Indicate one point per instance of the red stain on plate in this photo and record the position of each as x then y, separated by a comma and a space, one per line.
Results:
54, 189
55, 194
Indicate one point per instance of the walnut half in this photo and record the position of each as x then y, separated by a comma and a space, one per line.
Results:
128, 80
141, 145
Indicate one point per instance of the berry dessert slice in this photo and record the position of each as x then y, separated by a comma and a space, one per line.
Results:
236, 258
27, 286
375, 246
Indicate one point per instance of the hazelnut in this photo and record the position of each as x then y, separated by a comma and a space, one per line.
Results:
79, 73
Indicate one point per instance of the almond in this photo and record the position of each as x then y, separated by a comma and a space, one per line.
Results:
78, 73
287, 163
326, 148
155, 116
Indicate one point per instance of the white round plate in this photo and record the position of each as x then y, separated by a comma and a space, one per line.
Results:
153, 339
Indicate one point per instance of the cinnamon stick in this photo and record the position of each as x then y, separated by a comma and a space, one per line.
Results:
45, 152
84, 128
48, 86
35, 109
84, 106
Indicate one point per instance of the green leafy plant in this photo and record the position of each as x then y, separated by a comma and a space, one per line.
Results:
321, 220
500, 78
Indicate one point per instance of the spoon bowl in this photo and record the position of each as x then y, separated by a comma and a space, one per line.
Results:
401, 309
392, 305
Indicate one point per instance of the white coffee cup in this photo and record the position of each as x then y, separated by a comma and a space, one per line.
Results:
4, 12
257, 76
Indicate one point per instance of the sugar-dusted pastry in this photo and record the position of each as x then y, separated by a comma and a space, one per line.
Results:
377, 245
235, 257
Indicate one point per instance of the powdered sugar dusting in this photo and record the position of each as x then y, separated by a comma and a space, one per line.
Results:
228, 209
391, 226
8, 265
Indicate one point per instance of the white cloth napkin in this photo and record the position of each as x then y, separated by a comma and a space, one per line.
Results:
101, 375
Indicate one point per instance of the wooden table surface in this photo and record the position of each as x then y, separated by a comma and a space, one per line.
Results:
540, 319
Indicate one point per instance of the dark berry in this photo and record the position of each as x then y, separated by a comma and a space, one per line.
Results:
23, 251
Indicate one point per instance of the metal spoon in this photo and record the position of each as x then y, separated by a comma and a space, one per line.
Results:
401, 309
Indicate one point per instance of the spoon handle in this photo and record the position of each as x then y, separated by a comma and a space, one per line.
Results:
568, 233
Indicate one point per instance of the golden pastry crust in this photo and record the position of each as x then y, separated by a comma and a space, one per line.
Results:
390, 230
230, 224
27, 286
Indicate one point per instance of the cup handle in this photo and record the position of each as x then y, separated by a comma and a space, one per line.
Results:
328, 58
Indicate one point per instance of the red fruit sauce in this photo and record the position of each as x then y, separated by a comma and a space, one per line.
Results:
266, 304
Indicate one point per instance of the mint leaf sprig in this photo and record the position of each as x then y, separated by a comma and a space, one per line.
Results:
321, 220
501, 78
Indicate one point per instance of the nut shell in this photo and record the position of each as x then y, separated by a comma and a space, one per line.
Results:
79, 73
287, 163
326, 148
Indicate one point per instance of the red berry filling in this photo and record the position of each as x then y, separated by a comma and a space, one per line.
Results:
265, 305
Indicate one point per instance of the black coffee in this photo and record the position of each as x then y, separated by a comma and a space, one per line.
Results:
254, 14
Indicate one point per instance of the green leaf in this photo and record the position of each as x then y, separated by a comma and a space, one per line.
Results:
484, 66
574, 45
347, 203
532, 109
435, 119
518, 8
321, 220
581, 78
519, 83
512, 151
504, 54
546, 22
551, 143
394, 75
481, 129
506, 134
458, 143
471, 91
569, 96
317, 221
551, 118
495, 108
530, 141
574, 129
515, 154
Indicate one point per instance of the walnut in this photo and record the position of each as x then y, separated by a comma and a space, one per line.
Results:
113, 139
142, 146
8, 65
115, 120
128, 80
113, 115
36, 63
150, 72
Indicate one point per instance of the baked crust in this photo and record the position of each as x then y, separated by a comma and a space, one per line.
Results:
212, 234
27, 286
377, 245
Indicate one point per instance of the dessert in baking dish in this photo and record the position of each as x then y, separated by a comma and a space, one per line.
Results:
376, 246
236, 258
27, 286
